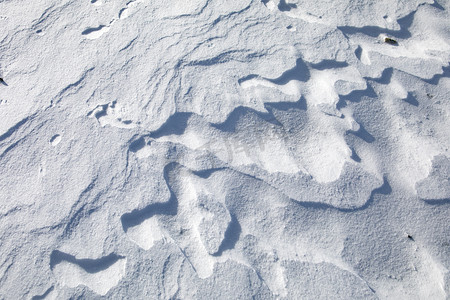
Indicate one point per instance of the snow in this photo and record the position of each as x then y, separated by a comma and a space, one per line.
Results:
205, 149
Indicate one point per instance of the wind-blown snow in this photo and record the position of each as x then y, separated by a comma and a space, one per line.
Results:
210, 149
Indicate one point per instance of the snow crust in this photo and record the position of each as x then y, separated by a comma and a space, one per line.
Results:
209, 149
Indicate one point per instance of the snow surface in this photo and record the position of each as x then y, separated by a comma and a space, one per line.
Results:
205, 149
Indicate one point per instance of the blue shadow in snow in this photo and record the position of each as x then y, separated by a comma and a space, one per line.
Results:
90, 30
138, 216
363, 134
411, 99
232, 235
375, 31
44, 295
437, 201
176, 124
89, 265
283, 6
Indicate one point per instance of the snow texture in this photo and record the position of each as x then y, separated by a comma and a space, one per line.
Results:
205, 149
